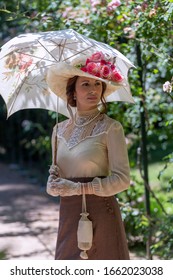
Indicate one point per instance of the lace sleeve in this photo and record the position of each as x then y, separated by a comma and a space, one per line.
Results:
119, 178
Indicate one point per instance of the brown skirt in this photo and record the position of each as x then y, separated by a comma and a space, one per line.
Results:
109, 239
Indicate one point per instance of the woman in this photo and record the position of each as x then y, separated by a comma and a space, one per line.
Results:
91, 158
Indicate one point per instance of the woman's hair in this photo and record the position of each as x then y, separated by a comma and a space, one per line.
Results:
70, 89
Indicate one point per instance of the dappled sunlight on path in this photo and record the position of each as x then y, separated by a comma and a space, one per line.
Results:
29, 218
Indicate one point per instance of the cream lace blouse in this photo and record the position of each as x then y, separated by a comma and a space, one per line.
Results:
91, 146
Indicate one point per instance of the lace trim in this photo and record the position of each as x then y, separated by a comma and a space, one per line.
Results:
85, 121
73, 135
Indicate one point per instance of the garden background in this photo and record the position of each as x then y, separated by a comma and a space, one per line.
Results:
141, 30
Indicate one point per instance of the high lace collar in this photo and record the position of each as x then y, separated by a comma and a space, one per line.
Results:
86, 114
83, 118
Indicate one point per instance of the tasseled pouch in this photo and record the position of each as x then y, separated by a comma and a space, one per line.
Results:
85, 231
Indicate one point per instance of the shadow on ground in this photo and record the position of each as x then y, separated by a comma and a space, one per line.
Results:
29, 218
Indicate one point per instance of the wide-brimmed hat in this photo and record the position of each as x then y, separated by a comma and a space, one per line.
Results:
96, 67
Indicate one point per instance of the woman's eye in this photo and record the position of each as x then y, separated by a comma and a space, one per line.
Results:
85, 84
98, 84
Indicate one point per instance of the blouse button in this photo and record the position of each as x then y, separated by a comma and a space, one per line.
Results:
110, 210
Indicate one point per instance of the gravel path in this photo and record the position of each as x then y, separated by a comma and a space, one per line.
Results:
28, 217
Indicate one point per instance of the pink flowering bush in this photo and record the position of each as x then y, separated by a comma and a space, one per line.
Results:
101, 67
95, 2
167, 86
113, 5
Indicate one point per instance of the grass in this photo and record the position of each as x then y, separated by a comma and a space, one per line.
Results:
153, 171
159, 186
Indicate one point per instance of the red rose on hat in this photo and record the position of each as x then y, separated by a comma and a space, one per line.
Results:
98, 56
116, 76
93, 68
105, 72
97, 65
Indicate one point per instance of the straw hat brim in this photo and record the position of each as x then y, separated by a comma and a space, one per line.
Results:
60, 73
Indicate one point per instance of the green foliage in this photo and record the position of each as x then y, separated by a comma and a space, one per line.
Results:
163, 237
133, 27
138, 225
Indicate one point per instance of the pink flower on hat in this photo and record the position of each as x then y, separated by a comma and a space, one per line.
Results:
92, 68
105, 72
98, 56
98, 65
116, 76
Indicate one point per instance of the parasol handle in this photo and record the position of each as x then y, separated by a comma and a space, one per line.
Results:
55, 150
56, 137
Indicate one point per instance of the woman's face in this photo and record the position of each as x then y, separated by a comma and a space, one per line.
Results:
88, 93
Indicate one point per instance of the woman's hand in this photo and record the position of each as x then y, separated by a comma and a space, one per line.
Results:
63, 187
